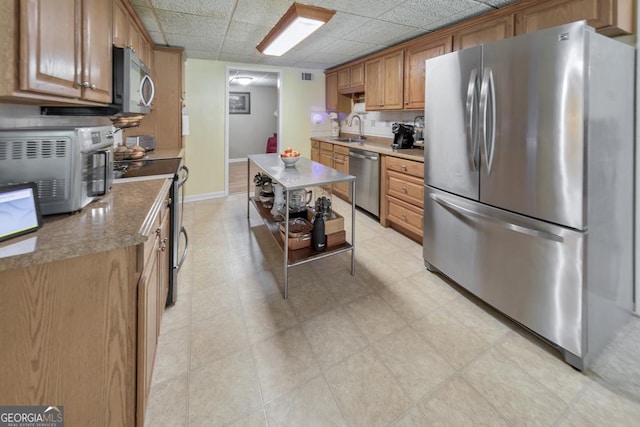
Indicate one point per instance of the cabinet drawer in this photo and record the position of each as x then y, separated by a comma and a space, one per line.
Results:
406, 188
410, 167
326, 146
405, 214
341, 150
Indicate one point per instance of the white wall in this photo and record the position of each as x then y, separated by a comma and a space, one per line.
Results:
248, 133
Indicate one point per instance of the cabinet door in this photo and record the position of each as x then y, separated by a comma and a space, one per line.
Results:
414, 66
96, 50
373, 84
496, 29
341, 164
51, 47
343, 79
163, 265
356, 75
611, 17
147, 330
326, 158
393, 80
134, 37
120, 29
331, 92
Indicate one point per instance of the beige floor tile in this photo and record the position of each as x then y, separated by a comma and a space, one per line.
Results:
599, 406
543, 364
344, 287
416, 365
214, 300
452, 339
217, 336
434, 286
172, 356
311, 299
456, 403
256, 419
256, 286
516, 395
177, 316
223, 391
374, 317
480, 319
167, 404
366, 391
408, 300
311, 404
333, 337
266, 317
412, 418
284, 362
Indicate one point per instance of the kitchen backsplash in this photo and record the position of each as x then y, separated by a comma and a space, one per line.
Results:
377, 123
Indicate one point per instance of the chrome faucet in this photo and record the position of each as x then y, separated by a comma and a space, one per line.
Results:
355, 116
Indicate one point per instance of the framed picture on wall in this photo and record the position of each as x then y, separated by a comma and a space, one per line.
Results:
239, 103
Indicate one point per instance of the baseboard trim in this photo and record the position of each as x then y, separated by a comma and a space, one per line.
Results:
205, 196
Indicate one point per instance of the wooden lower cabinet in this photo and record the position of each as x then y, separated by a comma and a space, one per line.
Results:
341, 164
315, 150
83, 332
403, 196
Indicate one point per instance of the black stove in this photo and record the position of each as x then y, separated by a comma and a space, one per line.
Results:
148, 167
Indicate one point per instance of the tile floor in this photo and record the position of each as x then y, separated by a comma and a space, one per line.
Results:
394, 345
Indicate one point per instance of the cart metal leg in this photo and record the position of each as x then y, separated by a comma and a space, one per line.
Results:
353, 227
286, 246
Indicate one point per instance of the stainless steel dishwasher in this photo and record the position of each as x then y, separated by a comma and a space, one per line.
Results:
365, 166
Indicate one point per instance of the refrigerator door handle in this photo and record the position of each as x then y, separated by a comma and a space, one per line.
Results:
472, 120
519, 228
488, 112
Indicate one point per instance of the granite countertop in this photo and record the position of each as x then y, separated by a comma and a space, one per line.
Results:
377, 144
121, 218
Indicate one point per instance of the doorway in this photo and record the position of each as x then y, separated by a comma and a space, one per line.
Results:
253, 99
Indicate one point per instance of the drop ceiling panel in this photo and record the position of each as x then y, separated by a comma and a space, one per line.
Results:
230, 30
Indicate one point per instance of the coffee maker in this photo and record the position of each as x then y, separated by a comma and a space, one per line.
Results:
403, 135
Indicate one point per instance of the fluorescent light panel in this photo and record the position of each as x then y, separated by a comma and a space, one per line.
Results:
296, 24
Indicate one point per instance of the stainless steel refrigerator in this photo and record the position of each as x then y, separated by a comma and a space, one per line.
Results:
528, 198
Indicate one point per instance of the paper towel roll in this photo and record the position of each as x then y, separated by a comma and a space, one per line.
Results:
358, 108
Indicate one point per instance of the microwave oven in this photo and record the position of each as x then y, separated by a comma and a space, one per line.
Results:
70, 166
133, 89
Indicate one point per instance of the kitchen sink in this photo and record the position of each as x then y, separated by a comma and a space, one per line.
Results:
349, 139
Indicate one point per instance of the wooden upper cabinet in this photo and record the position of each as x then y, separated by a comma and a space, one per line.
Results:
334, 100
51, 47
610, 17
384, 82
96, 51
351, 79
120, 25
490, 31
66, 48
415, 56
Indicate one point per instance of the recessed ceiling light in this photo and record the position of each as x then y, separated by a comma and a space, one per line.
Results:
243, 80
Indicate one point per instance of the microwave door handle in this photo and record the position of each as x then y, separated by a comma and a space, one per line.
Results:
146, 78
105, 179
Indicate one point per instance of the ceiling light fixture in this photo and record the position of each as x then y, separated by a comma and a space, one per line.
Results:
295, 25
243, 80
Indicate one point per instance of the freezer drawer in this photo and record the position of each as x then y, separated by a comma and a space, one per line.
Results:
530, 270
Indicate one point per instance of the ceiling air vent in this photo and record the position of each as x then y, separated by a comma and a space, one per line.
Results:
306, 76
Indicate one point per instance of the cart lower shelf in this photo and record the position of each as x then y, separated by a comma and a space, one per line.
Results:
299, 256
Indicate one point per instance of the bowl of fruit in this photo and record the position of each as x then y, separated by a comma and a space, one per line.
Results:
289, 157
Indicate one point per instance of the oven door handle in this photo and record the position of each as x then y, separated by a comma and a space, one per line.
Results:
107, 171
185, 177
186, 248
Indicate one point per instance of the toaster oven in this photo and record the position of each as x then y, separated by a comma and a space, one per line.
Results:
70, 166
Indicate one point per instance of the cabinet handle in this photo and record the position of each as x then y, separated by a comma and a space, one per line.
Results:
158, 231
403, 167
85, 84
93, 86
404, 216
404, 189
